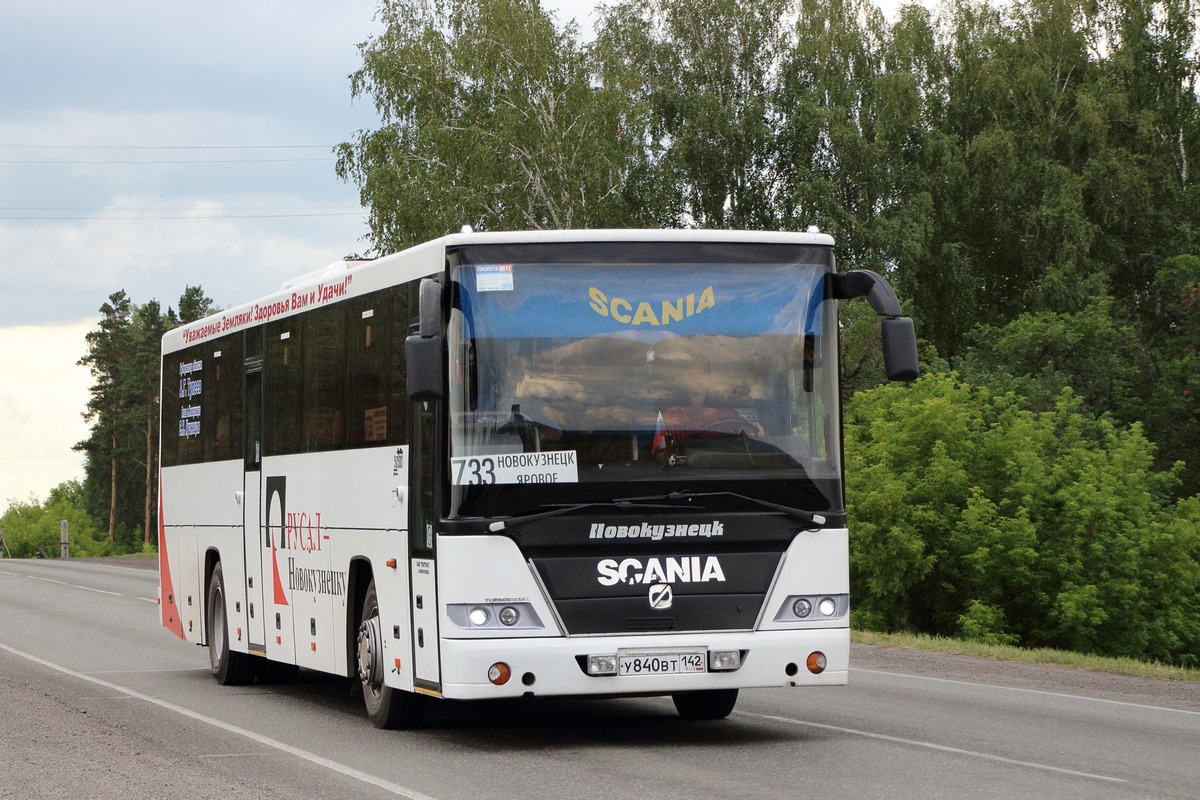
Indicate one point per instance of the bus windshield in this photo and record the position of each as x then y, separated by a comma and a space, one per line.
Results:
689, 367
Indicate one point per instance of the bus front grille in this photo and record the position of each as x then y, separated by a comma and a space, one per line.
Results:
644, 624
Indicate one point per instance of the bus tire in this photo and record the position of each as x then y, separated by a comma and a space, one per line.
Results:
706, 704
229, 668
387, 706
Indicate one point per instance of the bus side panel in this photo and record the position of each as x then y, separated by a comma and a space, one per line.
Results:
208, 497
323, 510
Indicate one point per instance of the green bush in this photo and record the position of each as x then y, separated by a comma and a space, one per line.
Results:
974, 516
30, 526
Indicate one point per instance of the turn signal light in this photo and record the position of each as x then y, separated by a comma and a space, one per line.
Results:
499, 673
816, 663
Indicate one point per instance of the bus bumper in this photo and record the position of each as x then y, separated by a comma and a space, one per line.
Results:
557, 667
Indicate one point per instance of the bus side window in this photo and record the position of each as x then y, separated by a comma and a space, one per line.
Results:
223, 400
368, 328
325, 379
284, 392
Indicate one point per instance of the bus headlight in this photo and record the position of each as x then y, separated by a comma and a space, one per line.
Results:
493, 616
815, 609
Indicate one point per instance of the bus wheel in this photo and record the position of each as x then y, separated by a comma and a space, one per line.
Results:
229, 668
387, 706
707, 704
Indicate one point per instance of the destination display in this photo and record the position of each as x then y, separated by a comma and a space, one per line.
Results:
191, 388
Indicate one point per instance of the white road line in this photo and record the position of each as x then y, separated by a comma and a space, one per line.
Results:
48, 580
313, 758
97, 591
1027, 691
76, 585
933, 746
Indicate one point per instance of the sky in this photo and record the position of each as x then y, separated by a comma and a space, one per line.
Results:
148, 145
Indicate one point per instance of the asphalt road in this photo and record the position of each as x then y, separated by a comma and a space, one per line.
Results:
97, 701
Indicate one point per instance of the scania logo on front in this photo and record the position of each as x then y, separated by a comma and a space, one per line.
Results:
685, 569
661, 596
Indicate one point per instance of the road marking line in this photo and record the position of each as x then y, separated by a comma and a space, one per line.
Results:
47, 580
1029, 691
97, 591
313, 758
933, 746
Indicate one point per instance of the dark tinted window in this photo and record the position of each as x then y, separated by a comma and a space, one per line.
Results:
284, 375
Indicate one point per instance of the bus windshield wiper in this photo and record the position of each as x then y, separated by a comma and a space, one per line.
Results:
504, 524
809, 517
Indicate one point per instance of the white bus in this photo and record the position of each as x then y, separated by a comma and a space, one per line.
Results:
504, 464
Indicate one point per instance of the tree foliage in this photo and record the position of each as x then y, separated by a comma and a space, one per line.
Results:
31, 528
973, 515
121, 450
490, 116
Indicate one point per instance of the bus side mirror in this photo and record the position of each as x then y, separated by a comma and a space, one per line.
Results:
898, 334
423, 350
899, 349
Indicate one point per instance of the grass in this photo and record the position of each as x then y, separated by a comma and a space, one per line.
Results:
1044, 655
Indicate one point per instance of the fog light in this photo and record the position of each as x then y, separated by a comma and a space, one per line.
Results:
724, 660
816, 663
827, 607
499, 673
509, 615
602, 665
802, 608
478, 616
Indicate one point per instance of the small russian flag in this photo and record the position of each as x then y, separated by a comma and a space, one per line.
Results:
660, 435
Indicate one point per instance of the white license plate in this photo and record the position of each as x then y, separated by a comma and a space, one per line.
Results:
662, 663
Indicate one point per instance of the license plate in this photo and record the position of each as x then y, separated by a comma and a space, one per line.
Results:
662, 663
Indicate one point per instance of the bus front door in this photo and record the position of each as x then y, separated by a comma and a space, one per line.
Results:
252, 527
423, 516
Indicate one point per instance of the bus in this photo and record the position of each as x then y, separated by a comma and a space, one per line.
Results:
502, 464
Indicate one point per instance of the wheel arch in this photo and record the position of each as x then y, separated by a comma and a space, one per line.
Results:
212, 557
358, 580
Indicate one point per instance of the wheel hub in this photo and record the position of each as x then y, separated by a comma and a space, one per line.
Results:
370, 652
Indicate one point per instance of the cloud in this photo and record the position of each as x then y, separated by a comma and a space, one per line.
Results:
41, 402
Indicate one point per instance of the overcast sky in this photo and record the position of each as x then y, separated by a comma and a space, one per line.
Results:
150, 144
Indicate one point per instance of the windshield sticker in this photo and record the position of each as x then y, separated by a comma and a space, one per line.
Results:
554, 466
494, 278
